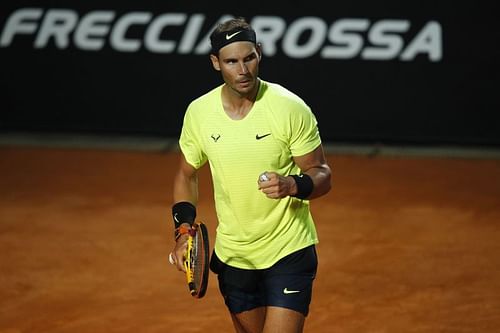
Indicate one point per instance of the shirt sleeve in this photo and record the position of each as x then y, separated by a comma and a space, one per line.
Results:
304, 134
189, 141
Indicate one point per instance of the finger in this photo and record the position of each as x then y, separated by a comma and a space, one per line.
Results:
179, 262
171, 259
180, 266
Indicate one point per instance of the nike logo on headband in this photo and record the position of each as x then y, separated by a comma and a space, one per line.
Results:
228, 37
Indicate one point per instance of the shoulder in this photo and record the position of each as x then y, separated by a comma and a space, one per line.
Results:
283, 100
280, 93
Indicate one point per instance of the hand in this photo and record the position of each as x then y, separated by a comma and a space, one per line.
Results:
178, 255
277, 186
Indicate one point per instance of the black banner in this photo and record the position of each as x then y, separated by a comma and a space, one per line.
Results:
390, 72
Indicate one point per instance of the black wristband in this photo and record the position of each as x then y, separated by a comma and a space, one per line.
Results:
305, 186
183, 212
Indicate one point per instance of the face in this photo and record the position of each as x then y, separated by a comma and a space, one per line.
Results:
238, 63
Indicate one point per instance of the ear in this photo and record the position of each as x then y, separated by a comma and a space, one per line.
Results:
258, 47
215, 62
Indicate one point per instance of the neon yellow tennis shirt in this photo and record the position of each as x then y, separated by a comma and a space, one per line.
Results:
254, 232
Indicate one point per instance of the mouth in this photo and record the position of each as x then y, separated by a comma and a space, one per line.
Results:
244, 82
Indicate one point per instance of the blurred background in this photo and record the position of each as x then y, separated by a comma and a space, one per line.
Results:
408, 244
420, 73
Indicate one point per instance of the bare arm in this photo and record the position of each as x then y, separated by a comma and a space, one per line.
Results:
186, 183
185, 189
313, 164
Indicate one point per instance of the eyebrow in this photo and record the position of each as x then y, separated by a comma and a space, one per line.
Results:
248, 56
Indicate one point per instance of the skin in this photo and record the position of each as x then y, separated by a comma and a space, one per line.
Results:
238, 64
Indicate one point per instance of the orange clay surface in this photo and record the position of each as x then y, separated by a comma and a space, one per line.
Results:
406, 245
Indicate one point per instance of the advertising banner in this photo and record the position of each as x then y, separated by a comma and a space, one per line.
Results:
420, 72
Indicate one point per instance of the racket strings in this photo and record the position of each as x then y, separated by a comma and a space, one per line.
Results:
196, 261
199, 261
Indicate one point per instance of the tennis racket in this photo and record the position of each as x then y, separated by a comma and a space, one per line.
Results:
196, 261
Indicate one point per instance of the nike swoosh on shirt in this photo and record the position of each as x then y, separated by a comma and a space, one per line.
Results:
228, 37
258, 137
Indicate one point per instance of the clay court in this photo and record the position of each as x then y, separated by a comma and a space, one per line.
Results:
407, 244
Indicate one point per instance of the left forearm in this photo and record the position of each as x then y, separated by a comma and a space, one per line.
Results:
314, 165
321, 177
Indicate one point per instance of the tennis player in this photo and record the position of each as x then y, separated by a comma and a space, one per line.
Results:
267, 162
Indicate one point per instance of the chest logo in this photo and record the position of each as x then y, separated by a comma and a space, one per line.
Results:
215, 137
258, 137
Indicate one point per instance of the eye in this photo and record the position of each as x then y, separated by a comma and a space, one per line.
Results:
250, 57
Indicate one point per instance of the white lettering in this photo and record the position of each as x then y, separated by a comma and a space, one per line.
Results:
193, 29
182, 33
58, 23
18, 24
269, 30
344, 33
153, 42
428, 40
388, 43
291, 45
92, 27
118, 38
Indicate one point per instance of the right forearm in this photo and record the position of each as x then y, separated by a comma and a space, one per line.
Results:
186, 188
185, 199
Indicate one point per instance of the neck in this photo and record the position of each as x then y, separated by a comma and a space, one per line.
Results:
237, 105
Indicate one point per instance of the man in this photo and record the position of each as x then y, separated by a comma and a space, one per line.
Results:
267, 162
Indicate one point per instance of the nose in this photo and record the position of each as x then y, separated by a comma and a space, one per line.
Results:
243, 68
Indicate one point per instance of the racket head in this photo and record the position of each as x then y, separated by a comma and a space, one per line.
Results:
197, 260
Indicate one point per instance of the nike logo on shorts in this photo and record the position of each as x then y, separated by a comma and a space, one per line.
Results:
286, 291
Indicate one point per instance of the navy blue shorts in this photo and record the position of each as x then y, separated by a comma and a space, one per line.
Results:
286, 284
